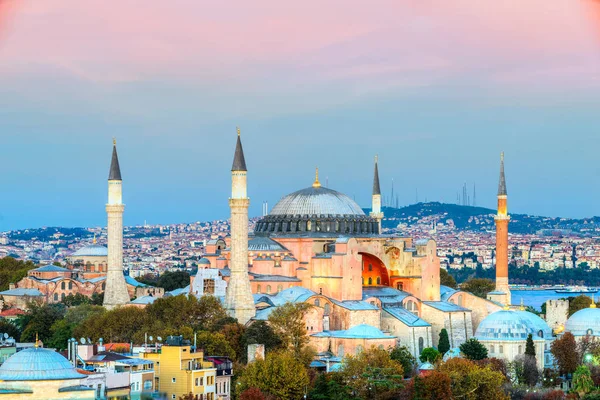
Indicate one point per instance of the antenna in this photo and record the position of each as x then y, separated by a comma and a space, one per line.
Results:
82, 340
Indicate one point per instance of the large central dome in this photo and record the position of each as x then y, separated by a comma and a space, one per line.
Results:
317, 201
317, 211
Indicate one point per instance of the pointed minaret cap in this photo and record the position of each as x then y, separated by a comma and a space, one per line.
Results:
502, 183
593, 305
115, 171
239, 162
376, 188
316, 183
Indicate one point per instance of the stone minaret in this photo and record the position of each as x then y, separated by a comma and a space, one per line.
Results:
502, 291
376, 199
238, 300
115, 293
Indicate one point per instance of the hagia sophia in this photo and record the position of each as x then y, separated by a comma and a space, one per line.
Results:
318, 246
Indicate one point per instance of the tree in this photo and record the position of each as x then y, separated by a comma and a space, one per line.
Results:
121, 324
62, 331
529, 346
478, 286
259, 332
75, 299
435, 385
444, 342
280, 374
173, 280
582, 380
252, 394
430, 355
10, 329
578, 303
472, 382
473, 349
446, 279
564, 351
405, 358
525, 370
234, 334
214, 344
329, 387
551, 378
288, 323
372, 374
13, 270
38, 320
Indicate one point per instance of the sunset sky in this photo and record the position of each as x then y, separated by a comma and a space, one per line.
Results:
437, 89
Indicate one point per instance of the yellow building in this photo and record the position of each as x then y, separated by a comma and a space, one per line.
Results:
179, 370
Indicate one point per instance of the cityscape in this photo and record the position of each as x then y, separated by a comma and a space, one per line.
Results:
428, 229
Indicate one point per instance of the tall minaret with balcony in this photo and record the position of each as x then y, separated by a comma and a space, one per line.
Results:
376, 198
239, 301
115, 293
502, 292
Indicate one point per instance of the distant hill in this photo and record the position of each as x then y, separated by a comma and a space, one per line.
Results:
482, 219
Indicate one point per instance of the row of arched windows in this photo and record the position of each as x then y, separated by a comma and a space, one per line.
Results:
370, 281
268, 289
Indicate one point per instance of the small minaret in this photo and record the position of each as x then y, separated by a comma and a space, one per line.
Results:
115, 293
502, 292
376, 199
239, 301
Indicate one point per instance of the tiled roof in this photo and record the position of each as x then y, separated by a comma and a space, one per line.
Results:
21, 292
363, 331
405, 316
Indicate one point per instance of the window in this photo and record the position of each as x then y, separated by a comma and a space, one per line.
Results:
70, 285
279, 288
541, 333
173, 395
501, 349
520, 349
370, 281
341, 350
173, 380
209, 286
492, 349
421, 345
62, 296
317, 302
268, 289
258, 289
320, 290
378, 280
55, 296
370, 267
589, 332
62, 285
327, 309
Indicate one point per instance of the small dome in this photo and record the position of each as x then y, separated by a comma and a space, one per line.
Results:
317, 201
37, 364
204, 261
262, 243
512, 325
94, 250
584, 322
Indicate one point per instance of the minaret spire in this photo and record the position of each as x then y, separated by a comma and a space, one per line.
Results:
376, 188
115, 171
376, 197
239, 301
502, 181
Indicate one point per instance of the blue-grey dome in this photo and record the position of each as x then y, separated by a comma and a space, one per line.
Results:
317, 201
512, 325
265, 244
37, 364
584, 322
94, 250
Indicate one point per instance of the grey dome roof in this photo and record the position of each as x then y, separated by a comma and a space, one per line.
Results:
262, 243
94, 250
584, 322
512, 325
317, 201
38, 364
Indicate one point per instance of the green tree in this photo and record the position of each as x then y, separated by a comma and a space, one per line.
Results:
405, 358
13, 270
214, 344
529, 346
288, 323
473, 349
472, 382
429, 354
478, 286
61, 331
444, 342
75, 300
578, 303
565, 353
76, 315
122, 324
280, 375
446, 279
525, 370
11, 329
259, 332
329, 387
173, 280
582, 380
38, 320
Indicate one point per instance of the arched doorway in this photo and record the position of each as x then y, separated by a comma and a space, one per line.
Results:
374, 272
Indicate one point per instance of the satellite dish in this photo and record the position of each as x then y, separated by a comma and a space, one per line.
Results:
6, 336
82, 340
89, 341
151, 339
159, 339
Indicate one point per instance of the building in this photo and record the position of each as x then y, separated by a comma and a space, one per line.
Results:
38, 373
224, 368
584, 323
181, 370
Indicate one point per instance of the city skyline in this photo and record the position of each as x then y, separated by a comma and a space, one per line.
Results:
331, 92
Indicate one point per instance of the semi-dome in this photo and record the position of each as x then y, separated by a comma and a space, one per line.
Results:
512, 325
38, 364
93, 250
317, 211
584, 322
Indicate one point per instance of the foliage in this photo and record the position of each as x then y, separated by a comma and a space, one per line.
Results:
260, 332
550, 378
252, 394
372, 374
525, 370
76, 315
564, 351
12, 270
444, 342
495, 364
10, 328
433, 386
287, 322
176, 312
472, 382
578, 303
473, 349
38, 320
280, 374
582, 380
329, 387
429, 354
168, 280
446, 279
61, 331
529, 346
119, 325
405, 358
478, 286
215, 344
234, 334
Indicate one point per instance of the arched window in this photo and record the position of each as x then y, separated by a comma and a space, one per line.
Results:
341, 350
55, 296
359, 349
279, 288
370, 281
258, 289
370, 267
492, 349
268, 289
317, 302
103, 286
363, 280
62, 296
541, 333
460, 300
589, 332
62, 285
378, 280
520, 349
421, 345
70, 285
327, 308
308, 225
501, 349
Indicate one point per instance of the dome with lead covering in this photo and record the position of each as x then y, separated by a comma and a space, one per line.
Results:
93, 250
317, 200
512, 325
38, 364
584, 322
